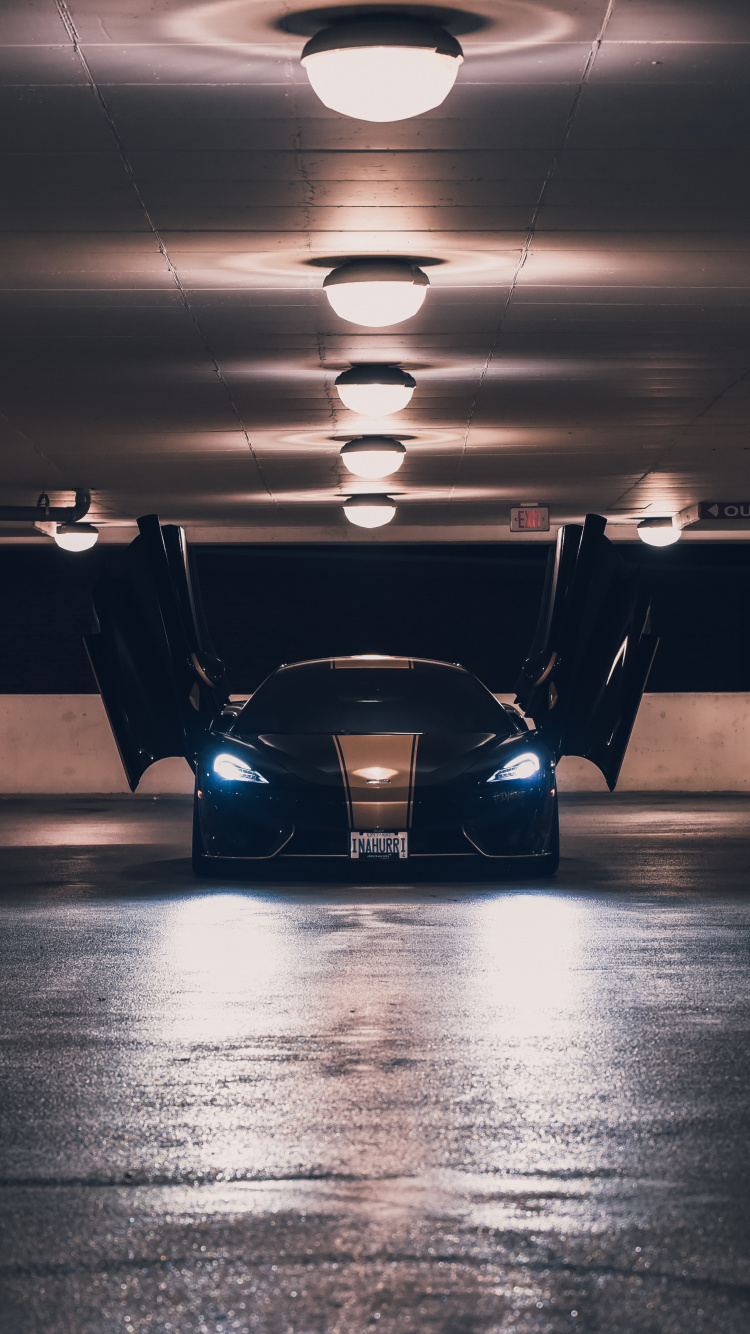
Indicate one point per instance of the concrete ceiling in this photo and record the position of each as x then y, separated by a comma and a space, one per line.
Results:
173, 189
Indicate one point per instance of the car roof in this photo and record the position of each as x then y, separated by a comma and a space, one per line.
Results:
374, 660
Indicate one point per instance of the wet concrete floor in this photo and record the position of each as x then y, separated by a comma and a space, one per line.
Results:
448, 1108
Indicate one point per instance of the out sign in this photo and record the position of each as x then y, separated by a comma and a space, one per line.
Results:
529, 519
731, 513
724, 509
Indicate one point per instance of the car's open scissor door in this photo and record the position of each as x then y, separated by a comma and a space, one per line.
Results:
584, 677
161, 688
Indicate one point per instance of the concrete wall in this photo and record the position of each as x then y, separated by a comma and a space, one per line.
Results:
63, 743
680, 743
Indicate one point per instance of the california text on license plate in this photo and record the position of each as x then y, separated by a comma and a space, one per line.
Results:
378, 845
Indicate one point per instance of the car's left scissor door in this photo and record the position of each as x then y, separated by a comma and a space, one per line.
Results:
160, 685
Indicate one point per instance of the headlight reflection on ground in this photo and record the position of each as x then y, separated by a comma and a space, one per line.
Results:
531, 959
226, 953
536, 998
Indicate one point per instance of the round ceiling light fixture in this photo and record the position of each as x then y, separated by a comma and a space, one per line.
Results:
659, 532
382, 67
373, 455
369, 511
76, 536
375, 391
376, 292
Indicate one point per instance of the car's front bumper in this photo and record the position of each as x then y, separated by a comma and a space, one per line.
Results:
254, 823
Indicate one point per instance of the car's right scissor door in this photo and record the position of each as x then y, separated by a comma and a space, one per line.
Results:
584, 677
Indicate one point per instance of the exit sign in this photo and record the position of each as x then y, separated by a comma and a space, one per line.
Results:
529, 519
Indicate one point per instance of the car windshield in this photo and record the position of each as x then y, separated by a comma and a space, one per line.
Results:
426, 697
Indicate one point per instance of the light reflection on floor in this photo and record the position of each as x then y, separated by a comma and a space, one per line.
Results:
462, 1108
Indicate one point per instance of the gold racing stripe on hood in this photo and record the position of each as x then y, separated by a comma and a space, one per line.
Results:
372, 660
378, 774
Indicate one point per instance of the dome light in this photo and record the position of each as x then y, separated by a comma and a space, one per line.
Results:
382, 67
373, 455
376, 292
375, 391
369, 511
659, 532
76, 536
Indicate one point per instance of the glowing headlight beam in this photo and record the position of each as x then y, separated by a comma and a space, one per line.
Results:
236, 771
521, 766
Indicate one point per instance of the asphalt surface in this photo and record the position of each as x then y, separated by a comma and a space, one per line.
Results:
446, 1108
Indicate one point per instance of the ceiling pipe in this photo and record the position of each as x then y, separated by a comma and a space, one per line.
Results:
45, 513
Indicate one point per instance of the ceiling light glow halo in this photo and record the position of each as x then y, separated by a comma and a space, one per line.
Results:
76, 536
375, 391
659, 532
376, 292
382, 67
370, 511
373, 456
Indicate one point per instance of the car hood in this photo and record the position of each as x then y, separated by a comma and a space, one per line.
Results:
375, 758
378, 771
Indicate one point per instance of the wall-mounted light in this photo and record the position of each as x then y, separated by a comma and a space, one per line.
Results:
76, 536
369, 511
375, 391
382, 67
659, 532
373, 455
376, 292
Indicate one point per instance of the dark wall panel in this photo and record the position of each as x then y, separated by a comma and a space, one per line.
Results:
475, 604
45, 605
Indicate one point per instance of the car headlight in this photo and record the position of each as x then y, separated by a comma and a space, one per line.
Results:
228, 766
521, 766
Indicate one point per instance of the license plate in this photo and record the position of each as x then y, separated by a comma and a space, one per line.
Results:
379, 845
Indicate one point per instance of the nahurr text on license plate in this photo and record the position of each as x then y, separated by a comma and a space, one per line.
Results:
378, 845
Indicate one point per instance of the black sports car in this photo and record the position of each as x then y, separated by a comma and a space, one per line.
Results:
373, 758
